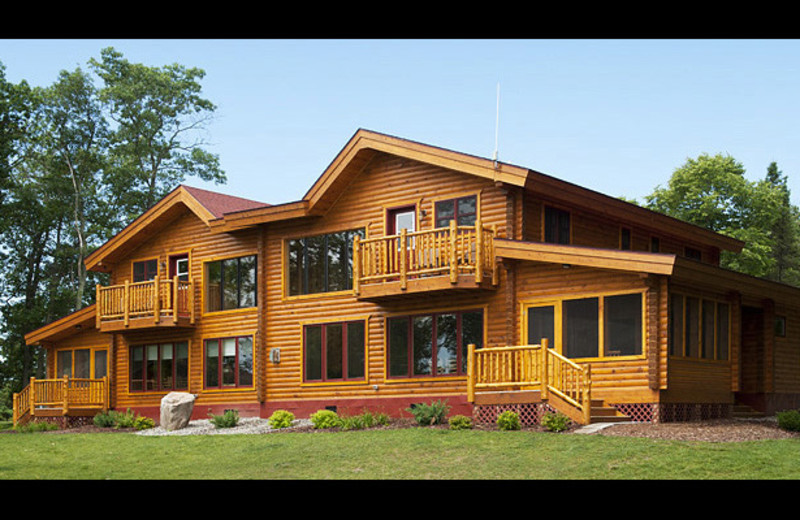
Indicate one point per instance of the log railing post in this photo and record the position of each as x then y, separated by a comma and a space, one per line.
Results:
478, 251
587, 396
100, 307
545, 360
157, 299
471, 376
175, 299
357, 253
453, 252
403, 252
32, 397
65, 390
126, 303
492, 259
190, 301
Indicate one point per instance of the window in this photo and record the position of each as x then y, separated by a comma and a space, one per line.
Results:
432, 344
464, 210
655, 245
84, 363
780, 326
231, 284
159, 367
692, 253
699, 328
625, 239
145, 270
334, 351
556, 226
597, 326
229, 362
321, 263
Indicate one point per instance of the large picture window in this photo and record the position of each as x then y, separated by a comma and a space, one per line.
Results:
334, 351
82, 363
699, 328
231, 283
229, 362
590, 327
159, 367
432, 344
321, 263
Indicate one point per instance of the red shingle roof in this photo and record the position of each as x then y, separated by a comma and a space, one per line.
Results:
219, 204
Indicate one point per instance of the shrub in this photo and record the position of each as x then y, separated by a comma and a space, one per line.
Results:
104, 420
143, 423
324, 419
460, 422
508, 420
789, 420
428, 415
555, 422
37, 426
374, 419
229, 419
353, 422
124, 420
281, 419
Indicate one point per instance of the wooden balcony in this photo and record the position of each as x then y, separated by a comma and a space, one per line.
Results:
156, 303
66, 397
455, 258
529, 373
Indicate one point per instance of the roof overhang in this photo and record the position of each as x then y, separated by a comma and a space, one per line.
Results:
63, 328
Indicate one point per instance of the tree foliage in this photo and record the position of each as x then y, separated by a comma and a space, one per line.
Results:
79, 159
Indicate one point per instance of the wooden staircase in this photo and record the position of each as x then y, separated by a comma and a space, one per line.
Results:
602, 413
743, 411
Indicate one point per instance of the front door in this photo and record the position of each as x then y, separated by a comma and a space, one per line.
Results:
401, 218
179, 266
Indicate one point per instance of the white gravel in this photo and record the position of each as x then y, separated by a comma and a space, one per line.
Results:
247, 425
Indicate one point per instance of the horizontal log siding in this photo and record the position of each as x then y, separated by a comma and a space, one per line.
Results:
619, 381
787, 353
189, 234
386, 183
595, 230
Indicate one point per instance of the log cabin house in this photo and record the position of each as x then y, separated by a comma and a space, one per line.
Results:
409, 274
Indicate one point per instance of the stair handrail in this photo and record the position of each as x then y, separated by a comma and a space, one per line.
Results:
573, 385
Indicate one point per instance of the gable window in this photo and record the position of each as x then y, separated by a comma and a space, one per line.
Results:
159, 367
334, 351
625, 239
145, 270
556, 225
432, 344
464, 210
229, 362
231, 284
595, 326
321, 263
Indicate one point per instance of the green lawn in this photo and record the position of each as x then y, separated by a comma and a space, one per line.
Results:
416, 453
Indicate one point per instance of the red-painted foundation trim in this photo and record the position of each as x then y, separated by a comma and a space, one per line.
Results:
394, 407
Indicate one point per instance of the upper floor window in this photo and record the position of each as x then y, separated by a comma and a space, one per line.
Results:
231, 283
655, 245
464, 210
145, 270
321, 263
625, 239
693, 253
556, 225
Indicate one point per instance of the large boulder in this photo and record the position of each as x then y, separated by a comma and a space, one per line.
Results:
176, 409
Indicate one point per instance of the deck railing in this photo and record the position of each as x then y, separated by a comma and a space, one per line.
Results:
62, 395
153, 298
530, 367
443, 251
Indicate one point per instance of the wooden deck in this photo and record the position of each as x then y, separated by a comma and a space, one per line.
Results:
156, 303
61, 397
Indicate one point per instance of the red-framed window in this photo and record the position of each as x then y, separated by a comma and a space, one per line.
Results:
464, 210
429, 345
334, 351
228, 362
145, 270
159, 366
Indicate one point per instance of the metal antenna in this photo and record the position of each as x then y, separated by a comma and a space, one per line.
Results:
496, 124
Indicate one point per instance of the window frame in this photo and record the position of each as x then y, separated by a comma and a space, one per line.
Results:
456, 215
324, 326
687, 349
461, 350
303, 283
207, 278
557, 302
220, 363
158, 388
550, 211
93, 351
145, 262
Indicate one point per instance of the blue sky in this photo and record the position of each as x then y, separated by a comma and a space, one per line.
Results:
616, 116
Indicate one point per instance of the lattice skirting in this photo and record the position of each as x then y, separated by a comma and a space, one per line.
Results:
684, 412
529, 413
67, 422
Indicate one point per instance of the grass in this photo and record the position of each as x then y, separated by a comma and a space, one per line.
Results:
416, 453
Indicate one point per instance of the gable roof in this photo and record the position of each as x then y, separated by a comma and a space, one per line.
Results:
63, 327
206, 205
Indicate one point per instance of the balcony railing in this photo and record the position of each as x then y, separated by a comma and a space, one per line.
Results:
157, 302
445, 252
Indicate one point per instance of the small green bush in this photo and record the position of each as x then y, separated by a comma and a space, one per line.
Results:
281, 419
115, 419
460, 422
508, 420
555, 422
229, 419
325, 419
143, 423
104, 420
352, 422
124, 420
789, 420
37, 426
429, 414
371, 419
